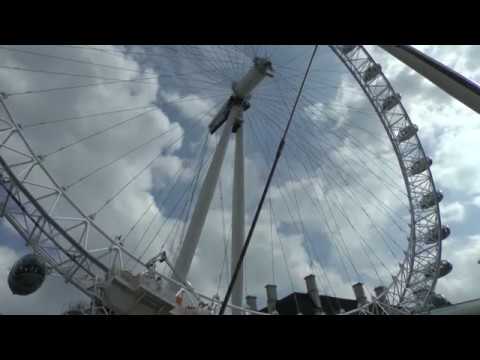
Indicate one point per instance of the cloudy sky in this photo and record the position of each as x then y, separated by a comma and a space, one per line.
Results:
125, 129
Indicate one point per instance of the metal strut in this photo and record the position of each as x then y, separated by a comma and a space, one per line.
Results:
447, 79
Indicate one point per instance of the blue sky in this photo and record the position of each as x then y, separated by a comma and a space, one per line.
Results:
184, 103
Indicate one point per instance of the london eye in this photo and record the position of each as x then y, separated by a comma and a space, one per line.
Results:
135, 173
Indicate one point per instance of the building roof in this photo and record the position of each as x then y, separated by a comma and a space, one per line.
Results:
302, 302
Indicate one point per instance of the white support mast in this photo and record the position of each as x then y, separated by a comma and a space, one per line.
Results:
230, 115
190, 243
238, 214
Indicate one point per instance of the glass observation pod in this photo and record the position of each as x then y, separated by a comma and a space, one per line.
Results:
407, 133
371, 73
27, 275
432, 236
430, 199
420, 166
444, 269
390, 102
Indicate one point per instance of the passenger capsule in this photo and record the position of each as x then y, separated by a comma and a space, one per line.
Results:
432, 236
390, 102
372, 72
444, 269
420, 166
27, 275
407, 132
346, 49
431, 199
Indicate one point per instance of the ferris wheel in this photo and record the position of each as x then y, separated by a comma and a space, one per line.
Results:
116, 170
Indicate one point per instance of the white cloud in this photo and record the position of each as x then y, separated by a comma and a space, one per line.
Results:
452, 213
192, 105
461, 283
476, 201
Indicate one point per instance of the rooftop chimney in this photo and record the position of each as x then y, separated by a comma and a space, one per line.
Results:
378, 293
359, 294
252, 302
313, 293
271, 298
